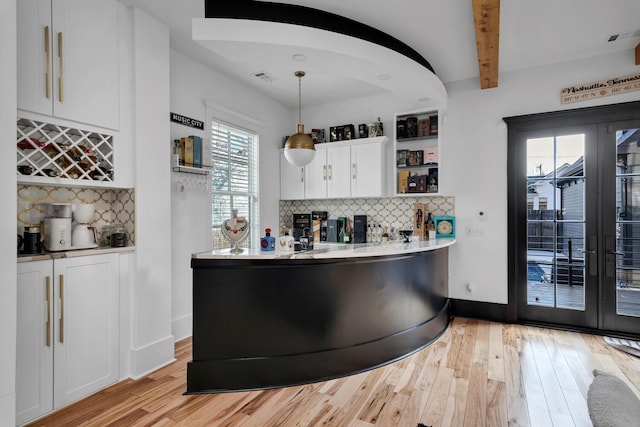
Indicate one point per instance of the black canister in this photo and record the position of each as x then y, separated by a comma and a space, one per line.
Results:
118, 236
31, 240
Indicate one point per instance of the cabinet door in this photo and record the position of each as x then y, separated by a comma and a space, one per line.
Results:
35, 56
338, 172
86, 352
291, 180
68, 60
366, 170
34, 351
86, 73
315, 176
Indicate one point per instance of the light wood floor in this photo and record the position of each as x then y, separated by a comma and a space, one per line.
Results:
476, 374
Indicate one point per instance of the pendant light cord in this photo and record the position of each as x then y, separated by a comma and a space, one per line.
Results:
299, 75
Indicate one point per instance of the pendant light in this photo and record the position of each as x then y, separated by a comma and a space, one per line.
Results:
299, 149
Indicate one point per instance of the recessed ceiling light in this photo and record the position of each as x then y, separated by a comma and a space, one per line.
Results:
299, 57
384, 77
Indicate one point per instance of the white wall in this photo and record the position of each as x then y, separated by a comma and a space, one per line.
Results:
193, 86
152, 344
476, 150
8, 301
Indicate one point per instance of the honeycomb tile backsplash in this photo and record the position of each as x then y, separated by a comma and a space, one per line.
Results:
112, 206
396, 212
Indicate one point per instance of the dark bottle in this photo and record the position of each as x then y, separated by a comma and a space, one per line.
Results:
51, 172
25, 169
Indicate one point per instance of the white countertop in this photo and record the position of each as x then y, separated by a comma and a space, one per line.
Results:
335, 250
73, 253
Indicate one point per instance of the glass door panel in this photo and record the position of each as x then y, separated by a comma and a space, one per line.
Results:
556, 221
627, 240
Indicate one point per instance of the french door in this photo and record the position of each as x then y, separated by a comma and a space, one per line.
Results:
575, 222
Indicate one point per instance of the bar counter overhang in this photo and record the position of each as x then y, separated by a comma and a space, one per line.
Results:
264, 320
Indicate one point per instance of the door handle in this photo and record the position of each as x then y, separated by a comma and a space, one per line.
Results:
47, 53
61, 332
593, 255
48, 321
61, 70
615, 253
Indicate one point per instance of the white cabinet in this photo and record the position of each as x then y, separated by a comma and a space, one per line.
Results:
291, 180
417, 151
68, 60
346, 169
367, 168
34, 361
315, 175
68, 329
338, 172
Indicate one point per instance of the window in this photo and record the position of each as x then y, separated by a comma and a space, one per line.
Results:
234, 181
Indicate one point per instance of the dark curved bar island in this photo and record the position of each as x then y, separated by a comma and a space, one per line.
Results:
263, 321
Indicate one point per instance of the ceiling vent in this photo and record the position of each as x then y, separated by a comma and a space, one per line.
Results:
264, 76
623, 36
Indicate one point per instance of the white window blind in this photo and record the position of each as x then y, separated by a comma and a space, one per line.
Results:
234, 184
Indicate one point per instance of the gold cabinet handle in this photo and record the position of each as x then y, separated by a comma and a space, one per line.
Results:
324, 172
47, 54
48, 321
61, 70
353, 170
301, 174
61, 309
330, 174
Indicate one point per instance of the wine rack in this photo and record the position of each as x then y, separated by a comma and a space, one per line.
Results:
55, 151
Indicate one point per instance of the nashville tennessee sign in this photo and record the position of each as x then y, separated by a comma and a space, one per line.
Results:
600, 88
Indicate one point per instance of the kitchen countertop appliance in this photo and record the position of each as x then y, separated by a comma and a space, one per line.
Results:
57, 227
83, 235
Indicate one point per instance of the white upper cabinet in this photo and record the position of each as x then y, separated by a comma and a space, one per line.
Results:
367, 167
342, 170
291, 180
338, 172
68, 60
315, 176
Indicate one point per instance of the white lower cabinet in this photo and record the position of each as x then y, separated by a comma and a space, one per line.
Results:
68, 331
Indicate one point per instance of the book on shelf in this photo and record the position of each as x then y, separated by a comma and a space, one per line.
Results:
197, 151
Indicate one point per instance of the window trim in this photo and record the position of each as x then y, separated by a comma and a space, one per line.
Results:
227, 117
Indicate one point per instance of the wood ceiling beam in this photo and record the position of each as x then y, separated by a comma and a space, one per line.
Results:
486, 18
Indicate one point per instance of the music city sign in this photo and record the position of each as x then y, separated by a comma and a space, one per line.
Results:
600, 88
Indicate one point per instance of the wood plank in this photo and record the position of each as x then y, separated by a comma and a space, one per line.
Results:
486, 17
437, 402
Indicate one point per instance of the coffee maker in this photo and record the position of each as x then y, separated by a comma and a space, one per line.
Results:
57, 227
82, 235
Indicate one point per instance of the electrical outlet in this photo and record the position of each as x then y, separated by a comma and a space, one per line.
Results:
475, 231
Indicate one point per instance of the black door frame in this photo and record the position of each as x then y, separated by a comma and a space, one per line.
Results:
599, 116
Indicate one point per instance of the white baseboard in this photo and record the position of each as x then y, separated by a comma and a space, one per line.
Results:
8, 410
182, 327
151, 357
